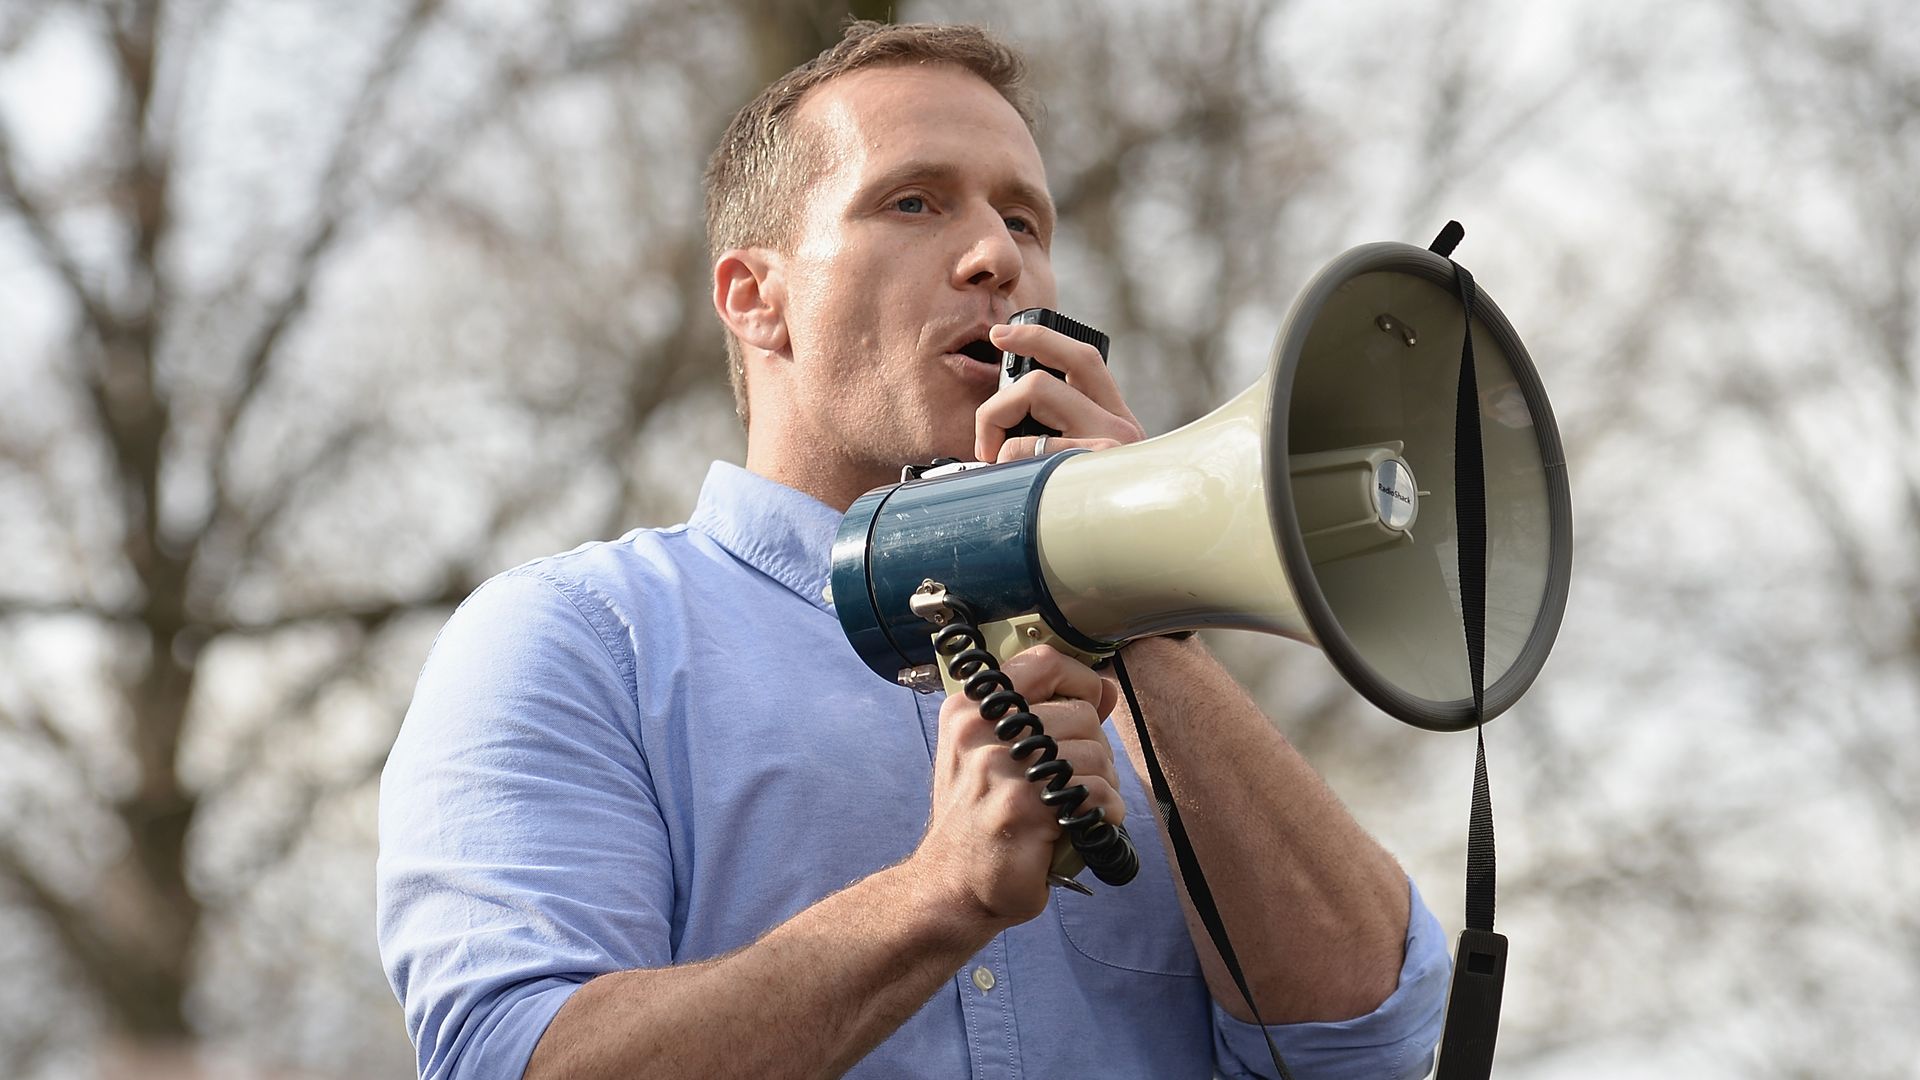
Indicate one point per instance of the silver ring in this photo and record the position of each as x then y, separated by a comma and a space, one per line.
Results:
1040, 445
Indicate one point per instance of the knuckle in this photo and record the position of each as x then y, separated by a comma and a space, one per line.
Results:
1103, 753
1076, 720
1103, 794
1078, 750
1039, 659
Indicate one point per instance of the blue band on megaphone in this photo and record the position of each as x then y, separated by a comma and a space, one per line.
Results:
974, 532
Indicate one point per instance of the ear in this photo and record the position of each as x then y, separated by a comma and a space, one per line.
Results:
749, 292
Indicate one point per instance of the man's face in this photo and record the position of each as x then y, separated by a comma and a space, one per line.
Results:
928, 223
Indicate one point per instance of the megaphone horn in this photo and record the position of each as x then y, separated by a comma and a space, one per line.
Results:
1317, 505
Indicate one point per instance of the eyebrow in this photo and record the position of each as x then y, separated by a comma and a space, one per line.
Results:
1014, 188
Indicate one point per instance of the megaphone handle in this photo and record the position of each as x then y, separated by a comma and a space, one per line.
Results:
970, 668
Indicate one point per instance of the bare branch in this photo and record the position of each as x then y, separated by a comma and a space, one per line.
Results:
28, 607
686, 360
21, 23
310, 793
70, 926
249, 755
298, 706
369, 616
1468, 130
253, 518
348, 150
22, 1055
411, 180
181, 60
32, 722
93, 309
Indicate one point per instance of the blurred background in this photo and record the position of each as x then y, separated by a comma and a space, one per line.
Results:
314, 315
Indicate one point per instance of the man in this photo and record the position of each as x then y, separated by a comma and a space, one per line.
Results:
650, 816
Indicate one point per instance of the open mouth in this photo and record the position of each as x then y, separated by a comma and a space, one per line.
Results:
981, 350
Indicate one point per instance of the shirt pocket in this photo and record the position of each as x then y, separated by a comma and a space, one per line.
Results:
1137, 926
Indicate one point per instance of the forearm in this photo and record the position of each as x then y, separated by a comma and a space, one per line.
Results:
809, 999
1316, 909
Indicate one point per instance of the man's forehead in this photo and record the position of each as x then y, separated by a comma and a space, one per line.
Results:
907, 109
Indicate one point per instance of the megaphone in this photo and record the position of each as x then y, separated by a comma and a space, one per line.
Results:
1317, 505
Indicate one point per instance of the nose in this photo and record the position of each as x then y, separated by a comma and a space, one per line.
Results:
992, 257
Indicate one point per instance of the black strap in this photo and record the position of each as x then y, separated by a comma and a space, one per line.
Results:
1190, 872
1470, 515
1473, 1002
1480, 872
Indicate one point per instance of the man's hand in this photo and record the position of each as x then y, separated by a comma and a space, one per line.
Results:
1086, 409
990, 839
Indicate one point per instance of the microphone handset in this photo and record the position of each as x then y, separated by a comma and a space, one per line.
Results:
1013, 365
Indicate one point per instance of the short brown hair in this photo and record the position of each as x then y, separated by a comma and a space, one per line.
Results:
762, 164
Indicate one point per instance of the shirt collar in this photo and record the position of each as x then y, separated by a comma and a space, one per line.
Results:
785, 534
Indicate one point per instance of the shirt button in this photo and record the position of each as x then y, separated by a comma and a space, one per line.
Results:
983, 979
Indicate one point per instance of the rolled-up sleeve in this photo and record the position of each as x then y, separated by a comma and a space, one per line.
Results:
1393, 1042
522, 851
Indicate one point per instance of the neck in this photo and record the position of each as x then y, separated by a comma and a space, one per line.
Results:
820, 469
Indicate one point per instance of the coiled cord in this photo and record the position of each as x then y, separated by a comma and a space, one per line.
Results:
1105, 847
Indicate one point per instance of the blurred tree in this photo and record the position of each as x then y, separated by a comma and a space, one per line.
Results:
1716, 852
1788, 562
212, 456
329, 312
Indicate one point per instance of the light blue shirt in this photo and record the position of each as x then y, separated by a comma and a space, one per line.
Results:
652, 751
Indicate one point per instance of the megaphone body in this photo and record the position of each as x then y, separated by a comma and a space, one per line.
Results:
1317, 505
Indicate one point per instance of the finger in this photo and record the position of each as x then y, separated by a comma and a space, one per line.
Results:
1079, 361
962, 728
1070, 719
1023, 446
1089, 757
1093, 768
1059, 405
1067, 720
1053, 403
1069, 698
1109, 697
1044, 672
1102, 793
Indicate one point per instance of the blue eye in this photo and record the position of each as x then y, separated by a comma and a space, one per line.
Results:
910, 204
1018, 224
